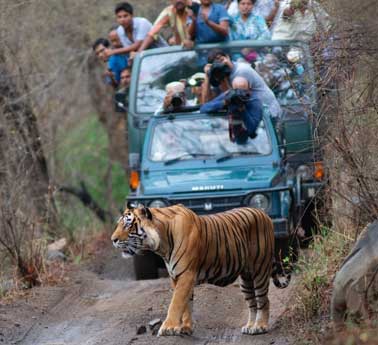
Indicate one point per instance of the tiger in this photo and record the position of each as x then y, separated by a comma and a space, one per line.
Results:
214, 249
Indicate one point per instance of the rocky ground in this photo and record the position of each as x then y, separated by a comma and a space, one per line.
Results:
103, 304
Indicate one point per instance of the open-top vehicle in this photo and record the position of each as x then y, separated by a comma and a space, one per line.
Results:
187, 157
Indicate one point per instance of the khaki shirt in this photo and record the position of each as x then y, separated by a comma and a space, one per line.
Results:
168, 17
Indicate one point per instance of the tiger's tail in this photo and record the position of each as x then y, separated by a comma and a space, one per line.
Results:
281, 270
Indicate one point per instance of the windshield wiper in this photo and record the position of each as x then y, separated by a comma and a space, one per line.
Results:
179, 158
235, 154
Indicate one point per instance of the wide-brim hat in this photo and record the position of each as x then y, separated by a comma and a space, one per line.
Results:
196, 79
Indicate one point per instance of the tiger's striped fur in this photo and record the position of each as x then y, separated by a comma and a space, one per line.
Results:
215, 249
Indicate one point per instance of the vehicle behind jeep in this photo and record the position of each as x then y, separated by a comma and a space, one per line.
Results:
188, 157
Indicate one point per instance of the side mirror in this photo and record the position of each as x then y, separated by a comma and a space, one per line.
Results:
120, 98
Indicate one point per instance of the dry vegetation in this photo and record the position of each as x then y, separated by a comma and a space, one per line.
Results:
49, 84
349, 138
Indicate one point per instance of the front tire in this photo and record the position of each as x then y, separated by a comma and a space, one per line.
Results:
287, 249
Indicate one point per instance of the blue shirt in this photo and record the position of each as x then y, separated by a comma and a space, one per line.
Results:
251, 115
117, 63
204, 33
254, 28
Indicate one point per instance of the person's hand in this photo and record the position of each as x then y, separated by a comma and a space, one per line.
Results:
226, 60
109, 73
167, 100
132, 56
189, 44
288, 12
205, 17
206, 69
190, 14
107, 53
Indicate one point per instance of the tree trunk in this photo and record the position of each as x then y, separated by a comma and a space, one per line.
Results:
23, 165
115, 123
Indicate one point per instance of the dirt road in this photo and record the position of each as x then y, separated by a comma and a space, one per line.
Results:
105, 306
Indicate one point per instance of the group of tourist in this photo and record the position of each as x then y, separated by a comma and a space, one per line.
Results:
196, 22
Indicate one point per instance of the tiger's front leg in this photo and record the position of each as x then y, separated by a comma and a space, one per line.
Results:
187, 323
179, 303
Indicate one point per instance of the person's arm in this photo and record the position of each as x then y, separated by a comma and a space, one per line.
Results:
222, 28
206, 93
150, 38
218, 103
124, 50
270, 18
192, 26
110, 79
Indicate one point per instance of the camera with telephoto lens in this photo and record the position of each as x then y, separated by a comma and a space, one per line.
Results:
178, 100
238, 97
218, 72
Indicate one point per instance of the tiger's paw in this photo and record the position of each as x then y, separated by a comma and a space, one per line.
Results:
168, 328
254, 330
187, 329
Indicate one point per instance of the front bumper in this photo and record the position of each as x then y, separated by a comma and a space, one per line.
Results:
310, 190
221, 202
281, 227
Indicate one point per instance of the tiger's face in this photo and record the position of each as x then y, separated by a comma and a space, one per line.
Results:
135, 233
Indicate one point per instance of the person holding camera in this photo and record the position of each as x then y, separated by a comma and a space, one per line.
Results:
175, 98
220, 73
244, 110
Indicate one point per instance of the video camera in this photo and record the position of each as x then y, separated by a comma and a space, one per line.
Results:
238, 97
218, 72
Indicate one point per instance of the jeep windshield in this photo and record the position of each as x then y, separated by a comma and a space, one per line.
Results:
284, 68
202, 138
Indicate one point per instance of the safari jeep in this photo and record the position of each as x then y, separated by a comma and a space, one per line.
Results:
188, 157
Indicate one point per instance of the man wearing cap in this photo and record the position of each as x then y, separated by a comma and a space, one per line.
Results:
195, 82
174, 99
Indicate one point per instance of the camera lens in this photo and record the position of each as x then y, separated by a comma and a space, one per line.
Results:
177, 100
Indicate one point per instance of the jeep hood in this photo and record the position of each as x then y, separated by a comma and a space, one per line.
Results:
207, 180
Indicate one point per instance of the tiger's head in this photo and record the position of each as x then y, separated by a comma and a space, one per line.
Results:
135, 232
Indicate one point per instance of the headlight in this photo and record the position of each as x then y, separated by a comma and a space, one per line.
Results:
157, 204
259, 201
304, 172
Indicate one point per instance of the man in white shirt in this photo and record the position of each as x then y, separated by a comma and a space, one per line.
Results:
300, 20
132, 30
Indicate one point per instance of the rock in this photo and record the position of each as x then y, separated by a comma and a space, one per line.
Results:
153, 323
59, 245
55, 255
356, 283
6, 286
141, 329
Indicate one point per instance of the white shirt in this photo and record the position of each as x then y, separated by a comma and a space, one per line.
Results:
141, 27
301, 26
259, 88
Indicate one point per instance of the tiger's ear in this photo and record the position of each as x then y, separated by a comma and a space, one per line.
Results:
146, 212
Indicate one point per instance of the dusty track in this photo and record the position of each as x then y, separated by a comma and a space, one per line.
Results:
97, 309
